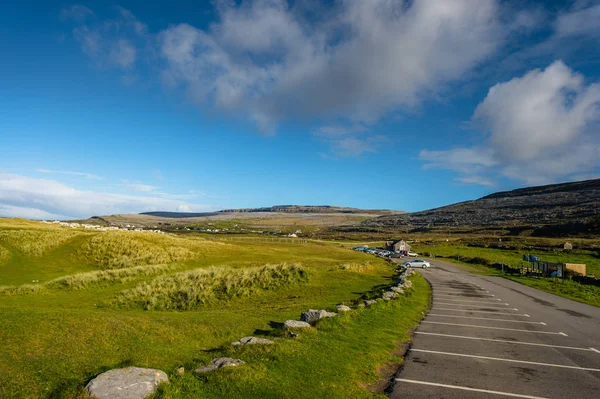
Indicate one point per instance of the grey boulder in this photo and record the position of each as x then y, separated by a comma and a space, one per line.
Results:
397, 290
252, 341
370, 302
126, 383
295, 324
389, 295
343, 308
312, 316
218, 363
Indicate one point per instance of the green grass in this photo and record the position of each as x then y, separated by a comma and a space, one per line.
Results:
192, 289
338, 359
566, 288
60, 334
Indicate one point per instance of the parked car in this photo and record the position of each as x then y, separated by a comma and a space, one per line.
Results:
412, 254
418, 263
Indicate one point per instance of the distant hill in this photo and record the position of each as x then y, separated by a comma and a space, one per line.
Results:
555, 209
274, 209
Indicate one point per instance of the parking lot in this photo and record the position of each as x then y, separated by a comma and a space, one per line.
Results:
491, 337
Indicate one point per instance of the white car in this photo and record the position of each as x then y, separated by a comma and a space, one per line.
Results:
419, 263
414, 254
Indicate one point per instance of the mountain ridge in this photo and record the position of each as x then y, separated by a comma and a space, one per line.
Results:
550, 209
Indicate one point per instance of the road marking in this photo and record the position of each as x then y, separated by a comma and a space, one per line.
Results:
495, 328
500, 305
462, 300
476, 294
500, 359
509, 342
435, 384
482, 311
488, 318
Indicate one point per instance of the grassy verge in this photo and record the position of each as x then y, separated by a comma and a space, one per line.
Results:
568, 289
340, 358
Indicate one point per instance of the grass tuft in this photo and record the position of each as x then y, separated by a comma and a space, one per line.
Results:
190, 289
358, 267
121, 249
4, 254
86, 280
36, 242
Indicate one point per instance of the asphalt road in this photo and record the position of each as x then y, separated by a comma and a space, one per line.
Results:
488, 337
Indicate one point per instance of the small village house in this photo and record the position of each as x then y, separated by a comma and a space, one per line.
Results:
397, 245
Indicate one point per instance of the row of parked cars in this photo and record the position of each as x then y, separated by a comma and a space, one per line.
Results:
385, 253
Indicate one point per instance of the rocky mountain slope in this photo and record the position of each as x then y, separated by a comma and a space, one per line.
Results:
277, 209
548, 210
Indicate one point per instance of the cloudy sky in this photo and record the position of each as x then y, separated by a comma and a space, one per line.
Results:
134, 106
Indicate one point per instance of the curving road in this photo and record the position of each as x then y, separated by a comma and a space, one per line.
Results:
488, 337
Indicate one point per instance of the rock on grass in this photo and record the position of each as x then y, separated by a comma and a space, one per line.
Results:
295, 324
126, 383
252, 341
312, 315
218, 363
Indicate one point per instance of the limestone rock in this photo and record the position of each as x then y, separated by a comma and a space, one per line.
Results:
181, 371
295, 324
361, 305
343, 308
126, 383
389, 295
253, 341
312, 315
218, 363
370, 302
397, 290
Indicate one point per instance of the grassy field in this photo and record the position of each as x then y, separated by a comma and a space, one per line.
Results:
86, 314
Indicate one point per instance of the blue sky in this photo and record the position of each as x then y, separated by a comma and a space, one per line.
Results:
131, 106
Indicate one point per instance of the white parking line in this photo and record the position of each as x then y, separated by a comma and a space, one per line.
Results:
500, 359
508, 342
483, 311
476, 294
435, 384
464, 300
495, 328
488, 318
500, 305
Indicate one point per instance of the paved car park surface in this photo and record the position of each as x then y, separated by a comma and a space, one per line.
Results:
488, 337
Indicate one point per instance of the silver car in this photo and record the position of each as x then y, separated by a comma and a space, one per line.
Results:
419, 263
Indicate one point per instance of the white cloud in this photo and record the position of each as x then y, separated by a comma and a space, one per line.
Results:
349, 141
123, 53
67, 172
76, 12
476, 181
578, 22
358, 62
138, 186
110, 43
540, 129
40, 198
